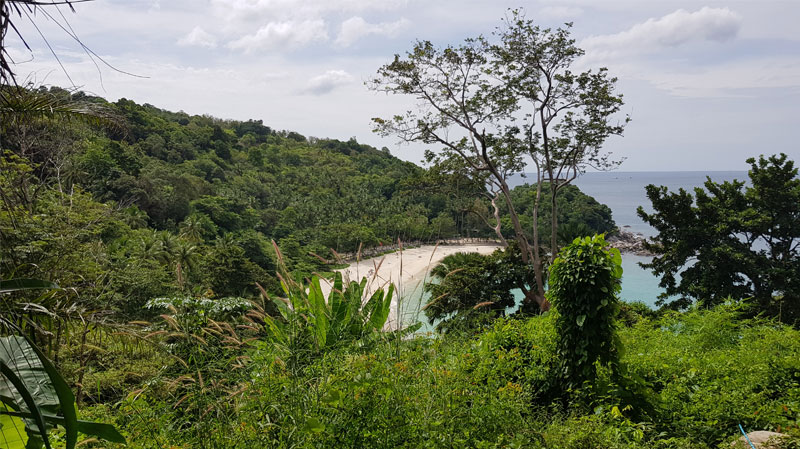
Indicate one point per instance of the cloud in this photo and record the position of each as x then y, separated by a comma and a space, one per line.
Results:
198, 37
671, 30
287, 34
355, 28
559, 12
328, 81
733, 79
250, 10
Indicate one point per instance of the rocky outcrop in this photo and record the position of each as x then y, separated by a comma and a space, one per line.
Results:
762, 439
628, 242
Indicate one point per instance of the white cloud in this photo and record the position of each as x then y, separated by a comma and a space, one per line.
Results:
355, 28
250, 10
734, 79
288, 34
672, 30
328, 81
198, 37
559, 12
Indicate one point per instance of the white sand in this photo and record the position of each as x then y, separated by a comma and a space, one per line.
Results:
407, 269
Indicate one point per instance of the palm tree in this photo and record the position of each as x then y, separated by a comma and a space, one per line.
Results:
168, 243
192, 228
25, 104
185, 256
22, 104
134, 217
10, 9
151, 247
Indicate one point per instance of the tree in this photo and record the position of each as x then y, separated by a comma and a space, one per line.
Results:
493, 106
466, 287
731, 240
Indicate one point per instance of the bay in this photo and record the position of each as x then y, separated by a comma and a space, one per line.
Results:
623, 192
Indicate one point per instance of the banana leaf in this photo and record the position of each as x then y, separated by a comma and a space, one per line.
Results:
37, 394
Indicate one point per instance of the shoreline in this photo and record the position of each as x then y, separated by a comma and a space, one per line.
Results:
407, 269
628, 242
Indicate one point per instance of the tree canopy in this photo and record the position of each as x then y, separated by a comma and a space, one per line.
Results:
735, 239
493, 105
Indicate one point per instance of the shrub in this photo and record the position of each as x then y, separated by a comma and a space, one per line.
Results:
584, 283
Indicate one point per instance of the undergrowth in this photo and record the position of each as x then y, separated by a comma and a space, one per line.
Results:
692, 378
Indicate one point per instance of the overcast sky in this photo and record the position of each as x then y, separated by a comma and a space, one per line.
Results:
706, 83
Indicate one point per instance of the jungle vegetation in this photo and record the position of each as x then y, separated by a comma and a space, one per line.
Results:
188, 252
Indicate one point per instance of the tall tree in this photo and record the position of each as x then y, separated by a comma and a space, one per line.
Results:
494, 106
566, 117
731, 240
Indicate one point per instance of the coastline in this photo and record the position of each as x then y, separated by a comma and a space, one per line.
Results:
628, 242
407, 269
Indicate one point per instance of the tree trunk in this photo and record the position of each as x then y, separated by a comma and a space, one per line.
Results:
498, 225
537, 258
553, 219
528, 256
533, 296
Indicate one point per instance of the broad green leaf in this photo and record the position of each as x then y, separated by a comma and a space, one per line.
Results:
65, 397
93, 429
383, 306
333, 398
313, 425
317, 302
616, 256
25, 398
89, 428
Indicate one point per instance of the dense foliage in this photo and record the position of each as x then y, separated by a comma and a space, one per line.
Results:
463, 281
468, 290
136, 225
732, 240
706, 372
172, 324
163, 203
585, 280
579, 215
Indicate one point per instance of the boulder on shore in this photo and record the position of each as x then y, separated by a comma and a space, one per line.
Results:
629, 242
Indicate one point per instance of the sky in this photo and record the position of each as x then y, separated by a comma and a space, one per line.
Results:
707, 84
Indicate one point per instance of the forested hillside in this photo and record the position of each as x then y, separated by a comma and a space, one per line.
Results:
148, 203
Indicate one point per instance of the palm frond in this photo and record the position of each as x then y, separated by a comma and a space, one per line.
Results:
23, 105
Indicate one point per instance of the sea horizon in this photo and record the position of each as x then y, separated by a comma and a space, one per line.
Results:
623, 192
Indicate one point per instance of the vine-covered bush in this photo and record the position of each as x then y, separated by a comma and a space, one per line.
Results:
584, 283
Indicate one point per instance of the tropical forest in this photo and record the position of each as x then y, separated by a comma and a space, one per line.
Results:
179, 280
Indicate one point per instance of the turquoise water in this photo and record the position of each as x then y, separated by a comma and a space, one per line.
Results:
623, 192
637, 285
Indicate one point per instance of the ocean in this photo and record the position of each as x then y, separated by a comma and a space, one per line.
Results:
624, 192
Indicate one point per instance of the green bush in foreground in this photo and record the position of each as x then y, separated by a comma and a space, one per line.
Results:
584, 283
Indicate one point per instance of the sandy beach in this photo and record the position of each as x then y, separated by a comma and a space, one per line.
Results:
407, 269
